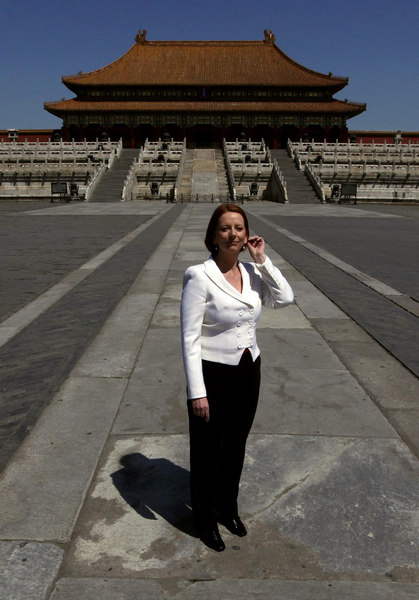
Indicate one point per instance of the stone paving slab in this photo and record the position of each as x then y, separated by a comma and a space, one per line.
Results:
392, 387
43, 488
121, 336
314, 304
309, 401
297, 349
399, 389
28, 569
292, 318
230, 589
150, 403
316, 507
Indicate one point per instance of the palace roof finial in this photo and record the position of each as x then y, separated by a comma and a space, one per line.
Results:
269, 36
140, 37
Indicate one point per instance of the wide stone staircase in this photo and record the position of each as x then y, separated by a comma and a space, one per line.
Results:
109, 189
193, 182
299, 188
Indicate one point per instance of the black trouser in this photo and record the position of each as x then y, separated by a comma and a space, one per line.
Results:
217, 448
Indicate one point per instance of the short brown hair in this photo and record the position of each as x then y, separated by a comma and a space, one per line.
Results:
212, 225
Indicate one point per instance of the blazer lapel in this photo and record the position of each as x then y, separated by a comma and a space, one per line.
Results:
245, 280
214, 273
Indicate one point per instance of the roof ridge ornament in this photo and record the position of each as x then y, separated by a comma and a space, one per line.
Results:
140, 37
269, 36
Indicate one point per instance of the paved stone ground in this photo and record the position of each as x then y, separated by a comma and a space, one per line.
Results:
95, 489
55, 340
36, 252
392, 325
380, 244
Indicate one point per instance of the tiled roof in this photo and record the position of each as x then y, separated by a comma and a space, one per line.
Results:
335, 106
259, 63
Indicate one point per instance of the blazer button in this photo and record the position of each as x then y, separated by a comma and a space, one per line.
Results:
250, 321
251, 311
239, 335
239, 323
240, 313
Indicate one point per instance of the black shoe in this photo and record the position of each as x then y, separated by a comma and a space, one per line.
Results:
213, 540
234, 525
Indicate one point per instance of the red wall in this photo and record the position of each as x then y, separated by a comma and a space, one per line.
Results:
379, 137
31, 135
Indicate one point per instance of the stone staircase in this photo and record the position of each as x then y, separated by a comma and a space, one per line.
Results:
299, 188
109, 188
186, 180
185, 184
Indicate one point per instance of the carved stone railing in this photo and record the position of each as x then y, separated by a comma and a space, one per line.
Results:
277, 187
179, 173
230, 176
91, 186
153, 163
315, 182
129, 190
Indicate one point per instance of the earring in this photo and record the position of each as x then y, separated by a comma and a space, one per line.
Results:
215, 248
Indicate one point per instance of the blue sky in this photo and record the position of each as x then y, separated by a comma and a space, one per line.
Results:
373, 42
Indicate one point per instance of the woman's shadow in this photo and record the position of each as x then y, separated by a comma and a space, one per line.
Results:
156, 485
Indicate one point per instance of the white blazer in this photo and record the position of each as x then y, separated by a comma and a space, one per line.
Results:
218, 322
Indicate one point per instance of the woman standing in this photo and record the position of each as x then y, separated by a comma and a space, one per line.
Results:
221, 303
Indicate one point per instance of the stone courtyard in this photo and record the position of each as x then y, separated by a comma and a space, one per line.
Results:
93, 426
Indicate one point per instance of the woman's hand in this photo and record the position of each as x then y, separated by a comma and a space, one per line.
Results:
256, 247
200, 408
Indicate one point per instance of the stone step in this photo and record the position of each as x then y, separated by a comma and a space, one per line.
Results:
299, 188
109, 189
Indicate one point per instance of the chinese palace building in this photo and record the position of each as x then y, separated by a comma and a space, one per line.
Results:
205, 91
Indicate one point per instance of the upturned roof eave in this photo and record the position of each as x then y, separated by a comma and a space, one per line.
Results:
353, 113
336, 82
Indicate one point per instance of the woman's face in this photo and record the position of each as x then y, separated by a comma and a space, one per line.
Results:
230, 234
